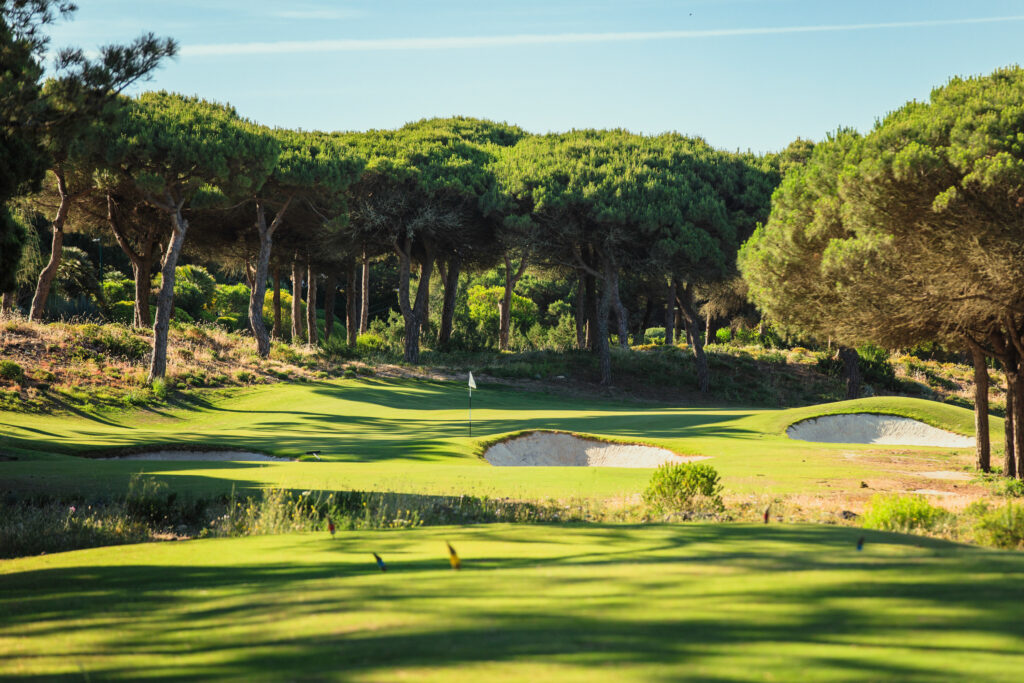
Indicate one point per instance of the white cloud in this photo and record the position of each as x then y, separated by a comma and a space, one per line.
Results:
454, 43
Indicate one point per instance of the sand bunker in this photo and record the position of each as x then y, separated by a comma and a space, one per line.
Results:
565, 450
199, 455
880, 429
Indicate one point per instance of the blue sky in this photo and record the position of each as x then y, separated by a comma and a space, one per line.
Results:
743, 74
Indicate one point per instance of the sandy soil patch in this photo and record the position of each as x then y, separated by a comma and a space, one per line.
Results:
566, 450
876, 429
237, 456
943, 474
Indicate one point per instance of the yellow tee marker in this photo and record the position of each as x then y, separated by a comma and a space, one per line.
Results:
453, 557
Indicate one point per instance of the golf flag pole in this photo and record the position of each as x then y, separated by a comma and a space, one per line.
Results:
472, 386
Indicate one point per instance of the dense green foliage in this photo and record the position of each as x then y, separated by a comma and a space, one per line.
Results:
903, 513
687, 488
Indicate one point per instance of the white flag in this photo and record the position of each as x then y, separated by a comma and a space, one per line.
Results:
472, 384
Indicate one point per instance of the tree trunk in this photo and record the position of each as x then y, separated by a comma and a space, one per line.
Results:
364, 297
601, 327
413, 313
141, 260
581, 312
258, 287
296, 300
276, 332
451, 291
982, 449
692, 320
7, 305
851, 371
165, 297
670, 313
621, 315
49, 273
330, 292
505, 307
351, 310
140, 273
708, 338
593, 306
312, 337
1018, 425
1009, 455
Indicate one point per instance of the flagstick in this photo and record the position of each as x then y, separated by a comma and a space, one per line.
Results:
471, 413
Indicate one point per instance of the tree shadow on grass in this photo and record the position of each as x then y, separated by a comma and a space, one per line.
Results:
420, 615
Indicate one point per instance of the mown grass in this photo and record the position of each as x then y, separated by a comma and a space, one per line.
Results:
412, 437
671, 602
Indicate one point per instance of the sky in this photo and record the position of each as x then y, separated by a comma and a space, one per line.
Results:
742, 74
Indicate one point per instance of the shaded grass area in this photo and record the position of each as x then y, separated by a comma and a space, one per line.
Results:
699, 601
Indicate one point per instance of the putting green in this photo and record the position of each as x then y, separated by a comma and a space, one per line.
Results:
412, 436
696, 601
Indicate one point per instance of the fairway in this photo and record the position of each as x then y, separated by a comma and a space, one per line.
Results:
412, 436
710, 602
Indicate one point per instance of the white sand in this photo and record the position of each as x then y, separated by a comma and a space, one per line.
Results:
199, 455
881, 429
566, 450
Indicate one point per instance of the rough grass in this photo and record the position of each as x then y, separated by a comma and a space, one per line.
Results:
673, 602
94, 366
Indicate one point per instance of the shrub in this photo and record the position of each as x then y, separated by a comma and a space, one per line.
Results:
115, 340
233, 300
11, 371
370, 342
723, 335
122, 312
483, 309
689, 488
118, 290
244, 376
228, 322
902, 513
161, 389
1003, 527
654, 335
193, 289
182, 316
875, 367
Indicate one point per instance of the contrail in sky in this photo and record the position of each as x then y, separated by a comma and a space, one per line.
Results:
455, 43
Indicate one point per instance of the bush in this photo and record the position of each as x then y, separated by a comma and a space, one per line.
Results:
902, 513
654, 335
286, 311
193, 289
723, 335
370, 342
11, 371
118, 290
689, 488
122, 312
875, 367
115, 340
228, 322
182, 316
483, 309
1003, 527
233, 300
562, 337
161, 389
